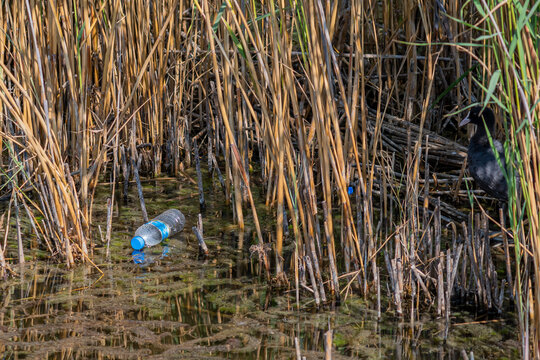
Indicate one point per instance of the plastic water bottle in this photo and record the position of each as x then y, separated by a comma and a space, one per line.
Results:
155, 231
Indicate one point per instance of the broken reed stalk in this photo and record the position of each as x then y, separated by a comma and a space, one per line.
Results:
328, 338
203, 249
18, 227
507, 258
296, 275
125, 172
218, 171
3, 265
202, 245
109, 224
307, 261
136, 164
199, 175
7, 228
297, 348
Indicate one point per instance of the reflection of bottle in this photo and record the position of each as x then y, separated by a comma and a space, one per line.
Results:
138, 257
165, 252
152, 233
143, 259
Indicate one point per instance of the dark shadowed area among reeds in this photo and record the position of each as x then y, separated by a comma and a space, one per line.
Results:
345, 112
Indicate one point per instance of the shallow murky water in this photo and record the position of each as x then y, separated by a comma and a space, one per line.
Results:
169, 303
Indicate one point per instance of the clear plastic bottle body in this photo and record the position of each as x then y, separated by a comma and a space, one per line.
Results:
158, 229
174, 219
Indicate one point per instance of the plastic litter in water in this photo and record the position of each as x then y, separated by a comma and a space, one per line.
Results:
158, 229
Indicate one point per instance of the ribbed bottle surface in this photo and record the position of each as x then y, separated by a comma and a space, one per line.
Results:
158, 229
174, 219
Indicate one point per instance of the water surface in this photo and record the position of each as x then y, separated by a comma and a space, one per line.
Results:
171, 303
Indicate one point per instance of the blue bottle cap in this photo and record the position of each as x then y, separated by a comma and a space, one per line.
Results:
137, 243
350, 190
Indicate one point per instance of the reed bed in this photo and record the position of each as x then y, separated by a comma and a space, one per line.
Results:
345, 113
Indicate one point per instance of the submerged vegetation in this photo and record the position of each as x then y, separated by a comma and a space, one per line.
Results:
345, 112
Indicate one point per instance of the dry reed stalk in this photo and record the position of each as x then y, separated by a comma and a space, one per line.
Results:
314, 288
18, 227
328, 338
441, 304
125, 171
199, 176
110, 203
136, 164
36, 226
3, 265
203, 249
6, 232
509, 277
297, 348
